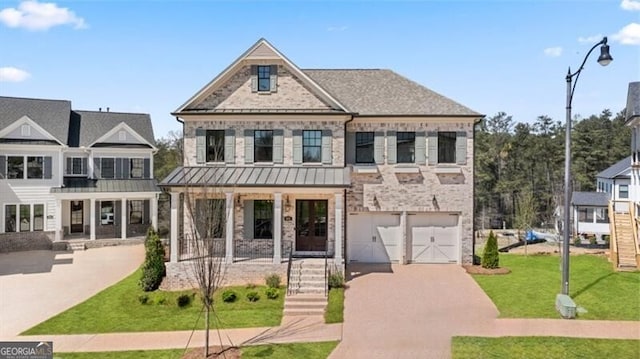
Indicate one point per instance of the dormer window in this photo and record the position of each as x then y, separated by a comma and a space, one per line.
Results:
264, 78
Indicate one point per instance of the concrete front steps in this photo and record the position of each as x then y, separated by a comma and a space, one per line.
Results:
76, 245
305, 305
307, 288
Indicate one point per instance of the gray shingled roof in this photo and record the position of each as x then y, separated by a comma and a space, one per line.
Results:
259, 177
95, 124
51, 115
590, 199
617, 170
384, 92
74, 185
633, 100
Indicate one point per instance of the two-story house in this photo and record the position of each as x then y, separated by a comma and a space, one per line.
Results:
360, 165
73, 174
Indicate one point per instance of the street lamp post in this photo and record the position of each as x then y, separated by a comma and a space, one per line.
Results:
604, 59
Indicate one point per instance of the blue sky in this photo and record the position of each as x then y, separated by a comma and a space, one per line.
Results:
151, 56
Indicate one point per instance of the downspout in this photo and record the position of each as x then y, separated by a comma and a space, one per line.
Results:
344, 201
473, 209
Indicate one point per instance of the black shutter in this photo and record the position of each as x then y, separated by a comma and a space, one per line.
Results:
47, 167
147, 168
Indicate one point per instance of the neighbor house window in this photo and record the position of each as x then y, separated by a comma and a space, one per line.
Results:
210, 217
623, 191
10, 214
364, 147
263, 219
135, 211
38, 217
76, 166
15, 167
264, 78
106, 213
446, 147
602, 215
107, 167
25, 218
263, 146
215, 145
35, 167
311, 146
406, 144
585, 214
136, 167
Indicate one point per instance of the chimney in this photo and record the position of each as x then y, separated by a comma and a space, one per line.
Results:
107, 109
99, 109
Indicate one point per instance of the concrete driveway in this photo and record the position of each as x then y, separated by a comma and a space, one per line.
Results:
411, 311
36, 285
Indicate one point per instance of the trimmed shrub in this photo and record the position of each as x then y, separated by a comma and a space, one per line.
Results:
336, 280
143, 299
490, 257
153, 268
183, 300
229, 296
272, 293
273, 280
253, 296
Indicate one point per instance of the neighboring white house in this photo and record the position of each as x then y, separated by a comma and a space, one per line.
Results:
73, 174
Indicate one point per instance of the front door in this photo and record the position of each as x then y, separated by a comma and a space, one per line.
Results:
77, 217
311, 225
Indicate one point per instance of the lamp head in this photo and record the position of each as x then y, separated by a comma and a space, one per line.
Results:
605, 57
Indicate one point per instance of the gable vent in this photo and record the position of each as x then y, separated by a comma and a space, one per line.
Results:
25, 130
122, 136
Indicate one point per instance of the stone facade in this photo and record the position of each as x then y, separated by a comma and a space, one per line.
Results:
180, 275
26, 241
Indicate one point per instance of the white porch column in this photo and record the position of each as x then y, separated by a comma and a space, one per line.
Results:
92, 219
123, 218
228, 230
59, 232
175, 201
403, 242
339, 214
277, 228
153, 201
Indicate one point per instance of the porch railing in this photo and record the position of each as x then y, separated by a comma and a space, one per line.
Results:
289, 291
190, 248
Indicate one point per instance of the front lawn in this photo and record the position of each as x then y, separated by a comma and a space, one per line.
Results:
529, 291
335, 306
319, 350
118, 309
543, 348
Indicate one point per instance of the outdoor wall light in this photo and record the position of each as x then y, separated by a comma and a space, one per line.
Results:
434, 202
287, 204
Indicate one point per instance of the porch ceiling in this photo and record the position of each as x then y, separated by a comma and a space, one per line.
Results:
259, 177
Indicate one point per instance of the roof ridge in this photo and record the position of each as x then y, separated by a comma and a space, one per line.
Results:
33, 99
114, 112
345, 69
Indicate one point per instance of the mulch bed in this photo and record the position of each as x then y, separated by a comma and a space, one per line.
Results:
486, 271
216, 353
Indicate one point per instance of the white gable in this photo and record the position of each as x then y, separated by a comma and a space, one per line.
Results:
26, 129
123, 134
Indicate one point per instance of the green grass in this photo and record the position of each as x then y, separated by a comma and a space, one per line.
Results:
543, 348
117, 309
530, 289
335, 306
319, 350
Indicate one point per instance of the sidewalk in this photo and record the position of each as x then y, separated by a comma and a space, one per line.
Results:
292, 330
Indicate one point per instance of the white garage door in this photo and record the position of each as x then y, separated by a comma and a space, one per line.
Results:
374, 238
433, 238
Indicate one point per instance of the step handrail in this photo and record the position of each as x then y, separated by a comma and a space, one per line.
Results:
613, 239
634, 226
289, 271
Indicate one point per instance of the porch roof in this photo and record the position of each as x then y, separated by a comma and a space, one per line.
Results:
77, 185
596, 199
259, 177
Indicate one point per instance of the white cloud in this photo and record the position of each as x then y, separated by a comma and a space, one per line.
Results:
33, 15
628, 35
630, 5
336, 28
590, 39
553, 51
12, 74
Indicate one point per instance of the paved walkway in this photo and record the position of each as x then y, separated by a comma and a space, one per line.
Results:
36, 285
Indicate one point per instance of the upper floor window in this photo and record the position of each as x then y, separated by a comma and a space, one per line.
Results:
27, 167
406, 147
107, 167
364, 147
312, 146
264, 78
15, 167
263, 146
76, 166
35, 167
623, 191
136, 167
215, 145
446, 147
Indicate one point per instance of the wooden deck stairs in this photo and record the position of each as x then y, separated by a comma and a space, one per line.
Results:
624, 250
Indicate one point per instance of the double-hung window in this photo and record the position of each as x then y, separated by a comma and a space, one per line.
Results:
23, 217
406, 147
623, 191
215, 145
15, 167
76, 166
136, 167
364, 147
446, 147
312, 146
263, 146
264, 78
35, 167
107, 167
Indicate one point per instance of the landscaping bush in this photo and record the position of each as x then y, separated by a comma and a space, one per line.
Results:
229, 296
490, 257
143, 299
153, 268
161, 301
606, 239
253, 296
183, 300
336, 280
593, 240
273, 280
250, 285
272, 293
577, 240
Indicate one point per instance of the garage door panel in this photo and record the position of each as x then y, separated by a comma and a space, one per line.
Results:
374, 238
434, 238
